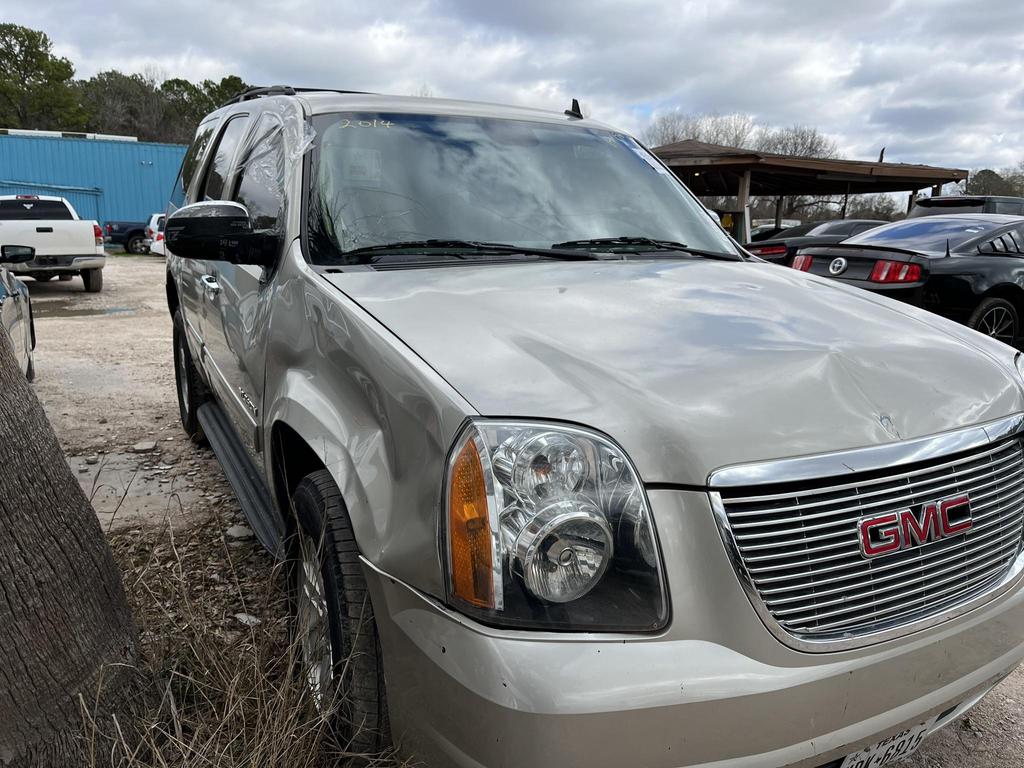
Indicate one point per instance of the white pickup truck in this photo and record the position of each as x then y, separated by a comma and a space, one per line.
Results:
65, 245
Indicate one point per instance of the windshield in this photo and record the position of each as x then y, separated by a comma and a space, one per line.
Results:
386, 178
926, 234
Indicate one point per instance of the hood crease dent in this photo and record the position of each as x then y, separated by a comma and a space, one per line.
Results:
692, 365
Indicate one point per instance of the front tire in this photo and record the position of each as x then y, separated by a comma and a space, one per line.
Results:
93, 280
135, 245
997, 318
192, 391
332, 618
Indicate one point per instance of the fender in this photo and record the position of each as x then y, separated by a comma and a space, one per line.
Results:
376, 416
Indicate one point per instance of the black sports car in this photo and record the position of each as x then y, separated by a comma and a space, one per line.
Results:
967, 267
782, 247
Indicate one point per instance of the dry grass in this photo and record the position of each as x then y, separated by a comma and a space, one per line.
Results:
215, 691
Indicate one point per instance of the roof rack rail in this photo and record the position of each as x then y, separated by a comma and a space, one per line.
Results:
276, 90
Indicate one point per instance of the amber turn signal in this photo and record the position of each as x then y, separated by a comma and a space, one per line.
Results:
469, 530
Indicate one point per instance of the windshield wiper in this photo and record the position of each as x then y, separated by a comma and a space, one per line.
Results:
647, 242
370, 253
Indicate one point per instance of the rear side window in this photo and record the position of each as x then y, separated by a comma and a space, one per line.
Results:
223, 156
52, 210
261, 184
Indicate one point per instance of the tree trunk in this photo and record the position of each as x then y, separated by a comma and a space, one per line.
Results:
67, 639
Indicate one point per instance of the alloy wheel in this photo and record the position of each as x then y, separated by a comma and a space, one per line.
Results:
1000, 324
183, 377
312, 627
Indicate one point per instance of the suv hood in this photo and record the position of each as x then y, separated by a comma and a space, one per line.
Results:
692, 365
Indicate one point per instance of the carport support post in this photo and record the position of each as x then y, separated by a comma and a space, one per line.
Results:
743, 200
778, 212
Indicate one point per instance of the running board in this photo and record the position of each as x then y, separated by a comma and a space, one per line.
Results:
245, 480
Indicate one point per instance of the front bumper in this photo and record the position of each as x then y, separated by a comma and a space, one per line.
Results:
714, 688
59, 264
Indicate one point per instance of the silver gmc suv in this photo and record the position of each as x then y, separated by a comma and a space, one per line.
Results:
566, 478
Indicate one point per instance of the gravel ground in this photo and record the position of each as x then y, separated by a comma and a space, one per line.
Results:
104, 375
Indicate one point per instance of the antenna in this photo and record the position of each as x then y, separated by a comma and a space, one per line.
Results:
574, 110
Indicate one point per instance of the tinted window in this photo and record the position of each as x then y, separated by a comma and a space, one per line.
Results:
926, 234
1014, 209
864, 226
34, 209
832, 228
800, 231
382, 178
933, 208
261, 185
223, 156
190, 163
160, 223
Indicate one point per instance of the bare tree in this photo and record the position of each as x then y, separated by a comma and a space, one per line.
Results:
67, 639
798, 140
732, 130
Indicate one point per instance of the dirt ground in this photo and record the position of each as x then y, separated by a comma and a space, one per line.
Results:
104, 375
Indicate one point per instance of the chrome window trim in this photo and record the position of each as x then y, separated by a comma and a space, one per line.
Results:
827, 465
838, 464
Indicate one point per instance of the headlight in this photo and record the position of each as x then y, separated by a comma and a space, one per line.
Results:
547, 526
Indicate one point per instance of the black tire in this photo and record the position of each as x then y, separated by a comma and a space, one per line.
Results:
42, 277
354, 689
93, 280
191, 388
997, 318
134, 244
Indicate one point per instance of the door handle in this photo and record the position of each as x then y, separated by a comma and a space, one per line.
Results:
210, 284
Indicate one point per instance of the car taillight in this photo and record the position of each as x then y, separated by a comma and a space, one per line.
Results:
159, 236
110, 229
802, 261
769, 250
98, 233
149, 232
886, 271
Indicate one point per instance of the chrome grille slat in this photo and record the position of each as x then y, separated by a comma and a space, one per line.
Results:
798, 543
910, 586
971, 586
1014, 460
929, 570
851, 524
1006, 531
859, 561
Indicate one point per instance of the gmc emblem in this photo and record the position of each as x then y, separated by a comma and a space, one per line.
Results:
896, 531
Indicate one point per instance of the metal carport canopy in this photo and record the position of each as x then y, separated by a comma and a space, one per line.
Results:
712, 169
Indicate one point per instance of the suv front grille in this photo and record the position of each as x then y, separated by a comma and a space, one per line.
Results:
798, 543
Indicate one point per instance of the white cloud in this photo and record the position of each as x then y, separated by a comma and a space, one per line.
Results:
935, 82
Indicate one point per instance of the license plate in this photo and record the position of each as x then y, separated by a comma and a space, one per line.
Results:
888, 751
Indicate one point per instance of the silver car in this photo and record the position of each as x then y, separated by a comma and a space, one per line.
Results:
16, 308
564, 478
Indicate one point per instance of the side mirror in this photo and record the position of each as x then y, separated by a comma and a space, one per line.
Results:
16, 254
218, 230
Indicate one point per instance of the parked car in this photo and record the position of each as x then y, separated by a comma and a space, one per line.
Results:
16, 308
130, 235
155, 235
64, 245
949, 204
967, 267
558, 490
783, 247
763, 230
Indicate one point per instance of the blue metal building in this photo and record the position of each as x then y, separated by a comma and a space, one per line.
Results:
106, 179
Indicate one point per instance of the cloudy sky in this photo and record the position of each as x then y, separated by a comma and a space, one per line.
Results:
937, 82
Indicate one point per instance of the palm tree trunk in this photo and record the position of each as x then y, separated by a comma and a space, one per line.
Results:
66, 632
